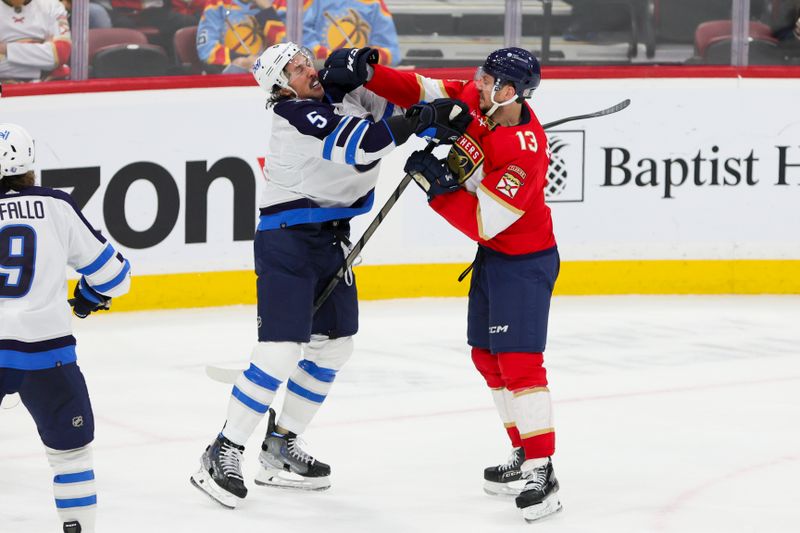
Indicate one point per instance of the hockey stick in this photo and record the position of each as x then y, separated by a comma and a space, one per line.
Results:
229, 375
351, 257
226, 14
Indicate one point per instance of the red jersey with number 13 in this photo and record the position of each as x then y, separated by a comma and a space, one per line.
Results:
502, 170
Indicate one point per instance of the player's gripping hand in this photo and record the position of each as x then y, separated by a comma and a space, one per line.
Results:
442, 121
87, 300
431, 174
348, 68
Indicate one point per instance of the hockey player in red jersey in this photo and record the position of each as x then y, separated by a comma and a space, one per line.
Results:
491, 188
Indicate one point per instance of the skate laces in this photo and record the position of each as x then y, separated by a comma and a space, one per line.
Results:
537, 478
230, 459
294, 447
513, 461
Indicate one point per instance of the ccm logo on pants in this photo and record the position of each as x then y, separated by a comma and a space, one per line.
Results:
498, 329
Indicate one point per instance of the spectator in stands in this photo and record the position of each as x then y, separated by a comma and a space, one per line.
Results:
168, 16
332, 24
34, 39
98, 16
233, 33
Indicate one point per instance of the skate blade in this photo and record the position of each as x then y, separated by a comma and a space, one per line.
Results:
549, 506
204, 483
513, 488
289, 480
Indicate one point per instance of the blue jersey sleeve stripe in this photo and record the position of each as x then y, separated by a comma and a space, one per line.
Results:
258, 407
97, 264
87, 293
68, 503
330, 140
119, 278
77, 477
354, 142
388, 111
317, 372
304, 392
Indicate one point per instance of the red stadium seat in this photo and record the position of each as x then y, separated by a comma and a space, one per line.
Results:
715, 35
185, 43
130, 60
102, 37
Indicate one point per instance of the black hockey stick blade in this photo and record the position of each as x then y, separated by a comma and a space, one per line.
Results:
608, 111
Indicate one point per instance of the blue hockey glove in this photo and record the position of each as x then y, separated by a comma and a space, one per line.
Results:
442, 121
431, 174
347, 68
87, 300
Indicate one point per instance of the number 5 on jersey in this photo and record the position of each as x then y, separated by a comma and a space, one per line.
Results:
317, 120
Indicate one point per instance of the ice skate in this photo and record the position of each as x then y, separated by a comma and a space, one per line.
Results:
73, 526
284, 463
505, 479
539, 498
220, 474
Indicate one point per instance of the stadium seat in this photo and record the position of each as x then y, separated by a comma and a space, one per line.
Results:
130, 60
712, 43
102, 37
185, 43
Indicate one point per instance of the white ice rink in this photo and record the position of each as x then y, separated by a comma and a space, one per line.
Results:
673, 414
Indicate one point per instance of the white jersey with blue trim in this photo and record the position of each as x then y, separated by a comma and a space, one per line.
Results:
326, 153
41, 232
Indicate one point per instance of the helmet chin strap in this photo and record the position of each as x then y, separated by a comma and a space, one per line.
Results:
496, 104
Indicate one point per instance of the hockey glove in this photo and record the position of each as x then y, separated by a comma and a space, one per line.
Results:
442, 121
87, 300
431, 174
348, 68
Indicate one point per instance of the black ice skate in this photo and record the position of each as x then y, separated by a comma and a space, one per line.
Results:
285, 464
539, 498
505, 479
73, 526
220, 474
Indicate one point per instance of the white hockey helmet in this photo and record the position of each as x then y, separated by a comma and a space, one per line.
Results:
17, 152
268, 68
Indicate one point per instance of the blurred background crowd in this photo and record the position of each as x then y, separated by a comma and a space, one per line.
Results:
39, 39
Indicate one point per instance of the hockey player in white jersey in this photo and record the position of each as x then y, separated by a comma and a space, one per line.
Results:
41, 232
322, 166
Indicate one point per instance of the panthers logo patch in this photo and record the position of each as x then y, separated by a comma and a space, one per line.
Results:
464, 157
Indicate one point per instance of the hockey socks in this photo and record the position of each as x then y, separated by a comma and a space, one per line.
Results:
74, 487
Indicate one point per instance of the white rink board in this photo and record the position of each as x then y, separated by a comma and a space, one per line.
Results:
698, 121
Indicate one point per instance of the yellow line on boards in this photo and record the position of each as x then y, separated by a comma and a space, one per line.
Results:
377, 282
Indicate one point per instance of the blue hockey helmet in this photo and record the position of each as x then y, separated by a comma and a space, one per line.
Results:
514, 65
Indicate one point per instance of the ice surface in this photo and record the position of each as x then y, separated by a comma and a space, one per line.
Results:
673, 414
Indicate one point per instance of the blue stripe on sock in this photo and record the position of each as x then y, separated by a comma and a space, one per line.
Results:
261, 378
77, 477
248, 401
317, 372
305, 393
76, 502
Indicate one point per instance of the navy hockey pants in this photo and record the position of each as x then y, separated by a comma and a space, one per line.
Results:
509, 300
294, 265
58, 401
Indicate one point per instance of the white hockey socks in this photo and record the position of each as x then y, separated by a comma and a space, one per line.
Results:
255, 388
74, 485
533, 414
311, 381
